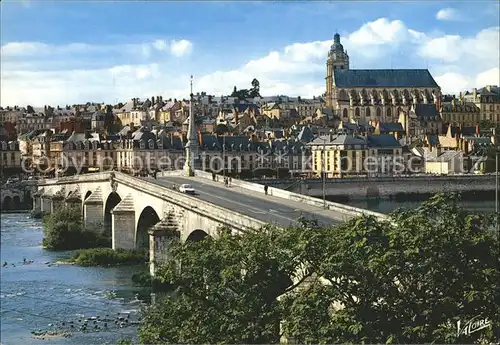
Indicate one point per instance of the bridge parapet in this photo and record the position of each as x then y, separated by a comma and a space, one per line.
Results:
399, 179
93, 177
213, 211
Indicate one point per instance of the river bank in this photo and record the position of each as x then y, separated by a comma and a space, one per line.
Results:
47, 297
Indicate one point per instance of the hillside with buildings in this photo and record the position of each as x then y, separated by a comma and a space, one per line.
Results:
384, 114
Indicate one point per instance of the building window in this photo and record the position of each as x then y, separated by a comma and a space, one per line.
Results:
344, 113
379, 112
389, 112
368, 112
356, 112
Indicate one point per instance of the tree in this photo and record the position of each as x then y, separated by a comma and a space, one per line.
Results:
235, 92
255, 90
408, 279
404, 281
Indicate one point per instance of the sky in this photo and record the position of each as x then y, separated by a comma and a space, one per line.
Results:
71, 52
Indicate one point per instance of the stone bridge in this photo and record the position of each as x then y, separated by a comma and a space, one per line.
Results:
140, 213
17, 196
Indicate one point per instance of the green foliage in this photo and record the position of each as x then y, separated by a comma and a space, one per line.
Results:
109, 257
37, 214
64, 230
144, 279
247, 93
407, 280
125, 342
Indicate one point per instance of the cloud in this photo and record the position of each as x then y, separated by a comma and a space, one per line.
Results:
38, 49
456, 62
382, 31
448, 14
181, 48
489, 77
452, 48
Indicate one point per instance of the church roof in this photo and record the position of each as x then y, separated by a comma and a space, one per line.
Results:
394, 78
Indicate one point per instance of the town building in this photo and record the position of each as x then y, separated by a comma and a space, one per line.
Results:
342, 155
10, 158
487, 99
458, 111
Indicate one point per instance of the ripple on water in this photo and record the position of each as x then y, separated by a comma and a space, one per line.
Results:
34, 296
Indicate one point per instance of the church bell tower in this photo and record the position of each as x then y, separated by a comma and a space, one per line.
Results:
337, 59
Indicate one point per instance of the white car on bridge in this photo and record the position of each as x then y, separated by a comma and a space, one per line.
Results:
186, 188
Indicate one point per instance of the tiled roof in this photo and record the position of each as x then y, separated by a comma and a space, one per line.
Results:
445, 156
391, 127
427, 112
340, 139
383, 140
485, 92
305, 135
354, 127
394, 78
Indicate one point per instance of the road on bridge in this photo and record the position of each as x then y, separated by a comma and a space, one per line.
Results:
263, 207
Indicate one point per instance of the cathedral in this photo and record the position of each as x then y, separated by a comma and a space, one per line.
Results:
363, 95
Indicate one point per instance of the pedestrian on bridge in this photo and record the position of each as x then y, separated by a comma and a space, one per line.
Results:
265, 188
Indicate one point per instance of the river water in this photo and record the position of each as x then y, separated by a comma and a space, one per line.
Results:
42, 296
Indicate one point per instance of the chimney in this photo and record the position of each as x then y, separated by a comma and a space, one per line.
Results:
236, 116
152, 100
161, 98
200, 139
488, 88
134, 102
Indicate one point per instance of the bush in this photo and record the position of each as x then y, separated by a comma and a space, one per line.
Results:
109, 257
64, 230
37, 214
144, 279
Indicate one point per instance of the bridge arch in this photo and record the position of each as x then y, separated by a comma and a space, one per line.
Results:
7, 203
112, 200
16, 202
87, 195
197, 235
147, 219
28, 199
